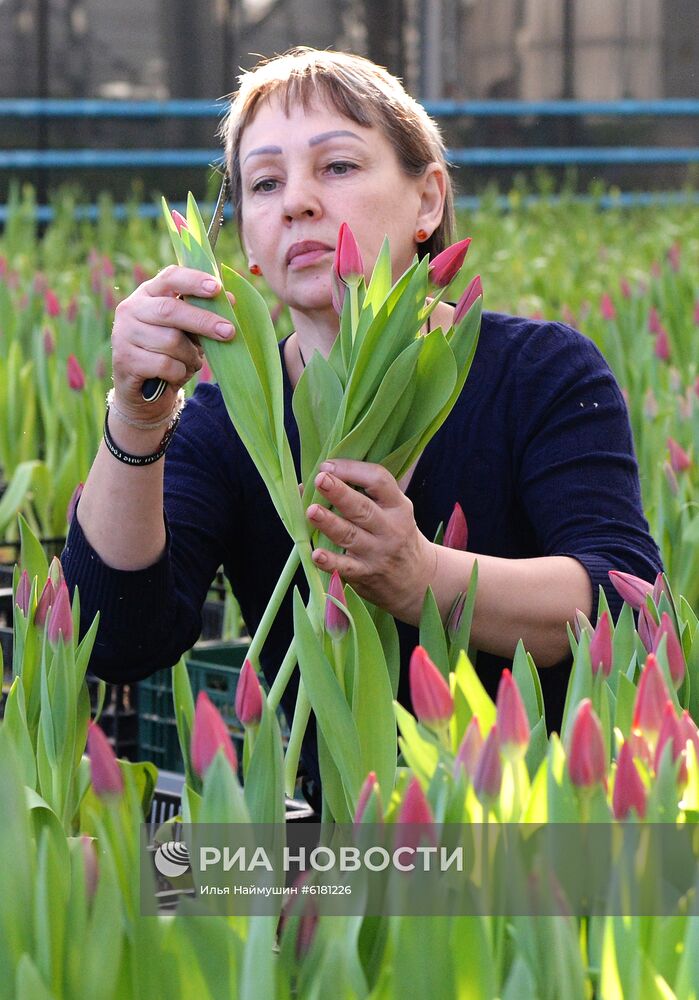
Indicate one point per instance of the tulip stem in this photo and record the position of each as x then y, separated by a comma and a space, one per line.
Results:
302, 713
270, 612
283, 677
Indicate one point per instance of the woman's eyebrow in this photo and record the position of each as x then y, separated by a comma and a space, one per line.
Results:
313, 141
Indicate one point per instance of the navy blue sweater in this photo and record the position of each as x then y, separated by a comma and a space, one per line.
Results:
538, 452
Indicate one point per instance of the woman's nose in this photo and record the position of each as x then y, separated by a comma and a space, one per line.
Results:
300, 199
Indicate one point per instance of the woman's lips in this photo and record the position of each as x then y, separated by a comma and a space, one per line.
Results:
306, 253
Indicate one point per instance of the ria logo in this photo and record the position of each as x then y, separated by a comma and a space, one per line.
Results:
172, 859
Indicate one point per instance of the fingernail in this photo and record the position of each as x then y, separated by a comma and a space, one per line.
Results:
319, 557
327, 466
314, 512
224, 330
324, 482
210, 285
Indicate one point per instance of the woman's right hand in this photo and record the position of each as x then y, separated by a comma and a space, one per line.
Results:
149, 337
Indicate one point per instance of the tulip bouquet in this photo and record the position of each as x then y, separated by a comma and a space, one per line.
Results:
345, 405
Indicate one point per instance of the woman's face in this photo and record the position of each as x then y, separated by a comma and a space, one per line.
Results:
302, 176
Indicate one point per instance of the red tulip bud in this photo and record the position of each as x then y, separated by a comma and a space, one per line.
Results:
348, 263
662, 346
73, 502
659, 588
430, 694
209, 735
51, 304
415, 820
630, 588
629, 791
470, 749
640, 747
647, 628
488, 776
455, 617
60, 620
248, 696
456, 533
44, 603
607, 307
670, 732
369, 790
601, 646
76, 376
336, 621
679, 459
107, 778
587, 762
651, 696
675, 656
24, 593
513, 724
179, 221
473, 291
447, 264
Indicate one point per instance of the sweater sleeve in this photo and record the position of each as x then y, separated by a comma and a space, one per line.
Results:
149, 617
575, 464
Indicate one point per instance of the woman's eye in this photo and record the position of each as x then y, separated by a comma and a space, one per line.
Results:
340, 167
264, 185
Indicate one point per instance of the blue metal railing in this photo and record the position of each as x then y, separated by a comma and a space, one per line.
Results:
50, 159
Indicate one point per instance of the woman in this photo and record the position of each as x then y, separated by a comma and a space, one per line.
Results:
537, 451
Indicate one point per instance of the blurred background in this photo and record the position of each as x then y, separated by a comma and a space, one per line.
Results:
453, 50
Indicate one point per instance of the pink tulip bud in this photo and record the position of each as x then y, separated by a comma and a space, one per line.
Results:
625, 288
336, 621
488, 777
91, 865
674, 255
601, 656
248, 696
456, 533
369, 790
179, 220
348, 263
338, 290
24, 593
587, 762
48, 342
76, 376
473, 291
447, 264
647, 628
51, 304
60, 620
107, 778
662, 346
209, 735
689, 731
679, 459
654, 323
629, 791
415, 809
670, 732
430, 694
630, 588
513, 724
607, 307
651, 696
675, 656
469, 749
44, 603
205, 373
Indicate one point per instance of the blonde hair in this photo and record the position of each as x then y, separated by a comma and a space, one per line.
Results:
358, 89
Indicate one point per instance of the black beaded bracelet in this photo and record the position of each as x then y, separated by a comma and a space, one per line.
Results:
126, 458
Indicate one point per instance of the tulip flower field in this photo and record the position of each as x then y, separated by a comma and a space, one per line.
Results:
72, 919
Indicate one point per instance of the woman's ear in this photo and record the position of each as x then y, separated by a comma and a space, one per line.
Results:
433, 191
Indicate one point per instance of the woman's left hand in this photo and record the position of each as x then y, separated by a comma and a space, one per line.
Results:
387, 559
